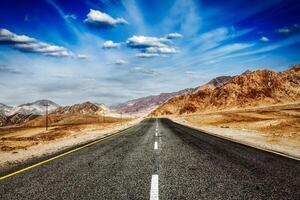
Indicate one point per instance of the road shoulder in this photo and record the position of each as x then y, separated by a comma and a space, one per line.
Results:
245, 137
11, 160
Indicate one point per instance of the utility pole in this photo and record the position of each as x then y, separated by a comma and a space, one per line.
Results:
46, 116
121, 118
103, 116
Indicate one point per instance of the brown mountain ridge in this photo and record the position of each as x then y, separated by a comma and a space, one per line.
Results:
251, 89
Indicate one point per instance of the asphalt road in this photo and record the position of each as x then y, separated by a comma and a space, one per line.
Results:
175, 163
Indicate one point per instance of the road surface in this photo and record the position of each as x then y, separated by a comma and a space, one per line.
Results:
159, 159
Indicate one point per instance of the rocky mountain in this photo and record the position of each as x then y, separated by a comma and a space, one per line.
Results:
16, 119
251, 89
35, 108
25, 112
33, 114
83, 108
146, 104
214, 83
4, 109
83, 113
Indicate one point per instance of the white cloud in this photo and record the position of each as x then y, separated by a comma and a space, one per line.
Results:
145, 42
100, 19
150, 47
39, 47
7, 37
174, 36
161, 50
288, 30
27, 44
60, 54
44, 48
82, 56
110, 45
71, 16
264, 39
120, 62
147, 55
284, 30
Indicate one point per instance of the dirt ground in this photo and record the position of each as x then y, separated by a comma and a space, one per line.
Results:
18, 144
272, 127
14, 138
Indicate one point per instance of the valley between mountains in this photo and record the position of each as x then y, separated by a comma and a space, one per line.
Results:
260, 108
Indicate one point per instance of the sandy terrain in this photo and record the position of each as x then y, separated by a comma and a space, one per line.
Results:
275, 128
21, 143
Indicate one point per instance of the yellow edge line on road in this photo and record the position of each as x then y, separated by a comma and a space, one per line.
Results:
58, 156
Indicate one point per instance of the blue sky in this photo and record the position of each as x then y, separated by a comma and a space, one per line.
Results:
111, 51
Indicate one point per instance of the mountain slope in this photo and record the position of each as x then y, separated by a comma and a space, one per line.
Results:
83, 108
35, 108
76, 114
261, 87
214, 83
83, 113
146, 104
16, 119
4, 109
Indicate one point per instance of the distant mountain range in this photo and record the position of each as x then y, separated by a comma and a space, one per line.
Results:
141, 106
83, 108
26, 112
250, 89
83, 113
4, 109
36, 108
145, 105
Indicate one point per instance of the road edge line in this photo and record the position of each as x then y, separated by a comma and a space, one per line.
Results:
239, 142
76, 148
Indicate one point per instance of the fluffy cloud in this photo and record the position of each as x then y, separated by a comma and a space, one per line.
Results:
145, 42
161, 50
264, 39
150, 47
39, 47
7, 37
82, 56
120, 62
27, 44
103, 20
147, 55
174, 36
284, 30
289, 30
110, 45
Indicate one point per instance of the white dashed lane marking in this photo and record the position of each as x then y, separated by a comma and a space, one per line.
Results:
155, 145
154, 187
154, 194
